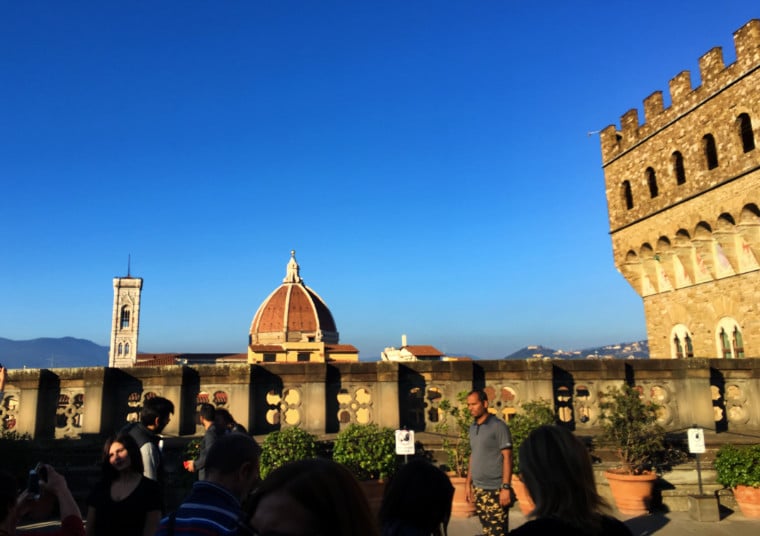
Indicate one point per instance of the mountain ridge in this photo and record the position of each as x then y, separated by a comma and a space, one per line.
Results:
69, 352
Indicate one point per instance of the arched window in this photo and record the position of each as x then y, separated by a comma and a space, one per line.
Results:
745, 132
119, 351
678, 168
126, 348
652, 183
627, 195
681, 342
729, 339
711, 152
124, 317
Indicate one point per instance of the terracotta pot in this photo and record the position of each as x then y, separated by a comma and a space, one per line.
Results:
524, 500
632, 493
459, 505
373, 491
748, 499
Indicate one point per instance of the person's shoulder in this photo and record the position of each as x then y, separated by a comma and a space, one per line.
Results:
496, 422
99, 492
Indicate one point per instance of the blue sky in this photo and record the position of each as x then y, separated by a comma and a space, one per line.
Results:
429, 161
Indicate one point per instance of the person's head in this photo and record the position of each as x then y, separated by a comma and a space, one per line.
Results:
477, 403
316, 496
233, 463
556, 468
419, 495
207, 413
156, 413
121, 454
223, 419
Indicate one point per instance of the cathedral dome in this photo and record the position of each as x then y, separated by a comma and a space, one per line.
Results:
293, 313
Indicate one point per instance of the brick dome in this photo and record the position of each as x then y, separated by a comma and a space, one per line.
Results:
292, 313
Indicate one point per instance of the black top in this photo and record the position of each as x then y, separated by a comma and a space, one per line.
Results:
550, 525
125, 517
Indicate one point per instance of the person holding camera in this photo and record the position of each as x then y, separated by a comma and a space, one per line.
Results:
39, 502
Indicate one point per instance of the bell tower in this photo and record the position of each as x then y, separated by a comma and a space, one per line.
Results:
126, 321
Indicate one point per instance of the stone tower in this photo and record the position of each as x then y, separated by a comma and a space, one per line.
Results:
683, 191
126, 321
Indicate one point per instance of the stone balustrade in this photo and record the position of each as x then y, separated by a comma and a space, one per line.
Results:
717, 394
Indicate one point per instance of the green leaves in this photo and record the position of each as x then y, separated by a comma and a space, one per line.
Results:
532, 415
368, 451
738, 465
457, 446
629, 425
287, 445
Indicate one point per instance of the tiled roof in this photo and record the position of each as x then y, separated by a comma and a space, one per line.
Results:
156, 360
424, 350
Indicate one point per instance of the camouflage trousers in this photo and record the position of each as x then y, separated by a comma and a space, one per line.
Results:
493, 516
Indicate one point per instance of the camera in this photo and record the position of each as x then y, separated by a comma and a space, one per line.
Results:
35, 475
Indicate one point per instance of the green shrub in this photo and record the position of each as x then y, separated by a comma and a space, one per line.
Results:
192, 449
738, 465
532, 415
456, 419
367, 450
629, 427
287, 445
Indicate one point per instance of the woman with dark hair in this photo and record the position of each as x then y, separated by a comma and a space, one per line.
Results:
556, 468
417, 501
124, 502
307, 497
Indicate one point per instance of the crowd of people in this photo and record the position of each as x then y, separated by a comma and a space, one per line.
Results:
313, 496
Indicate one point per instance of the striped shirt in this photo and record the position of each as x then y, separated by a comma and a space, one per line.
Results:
209, 510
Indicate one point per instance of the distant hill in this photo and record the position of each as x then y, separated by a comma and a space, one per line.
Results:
47, 352
68, 352
639, 349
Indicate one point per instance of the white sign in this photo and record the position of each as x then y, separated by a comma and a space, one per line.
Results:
696, 440
405, 442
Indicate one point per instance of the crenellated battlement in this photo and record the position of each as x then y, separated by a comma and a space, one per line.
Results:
714, 77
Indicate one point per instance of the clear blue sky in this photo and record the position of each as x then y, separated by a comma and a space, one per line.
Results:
429, 161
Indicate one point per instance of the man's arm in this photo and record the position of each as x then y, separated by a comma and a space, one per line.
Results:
468, 482
209, 438
150, 458
505, 495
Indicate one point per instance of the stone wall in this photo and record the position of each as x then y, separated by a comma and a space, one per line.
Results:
719, 395
686, 229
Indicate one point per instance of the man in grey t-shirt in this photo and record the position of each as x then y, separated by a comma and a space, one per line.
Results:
490, 472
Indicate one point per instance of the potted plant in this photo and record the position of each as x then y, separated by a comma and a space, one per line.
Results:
533, 414
369, 452
738, 467
455, 425
629, 427
286, 445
